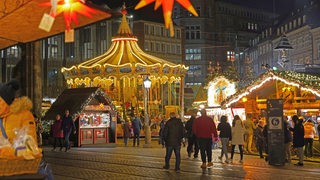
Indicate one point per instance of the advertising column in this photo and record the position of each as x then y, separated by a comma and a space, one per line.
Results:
275, 132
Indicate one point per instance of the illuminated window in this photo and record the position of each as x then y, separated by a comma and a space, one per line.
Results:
230, 56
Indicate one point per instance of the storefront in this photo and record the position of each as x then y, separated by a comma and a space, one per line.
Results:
93, 113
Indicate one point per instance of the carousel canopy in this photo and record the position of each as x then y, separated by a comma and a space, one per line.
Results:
306, 82
124, 58
18, 15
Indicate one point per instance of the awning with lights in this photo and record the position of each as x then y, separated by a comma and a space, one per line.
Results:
305, 82
19, 21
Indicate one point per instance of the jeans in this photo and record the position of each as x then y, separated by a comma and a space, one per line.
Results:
55, 142
192, 141
308, 144
300, 154
249, 142
205, 145
224, 150
125, 140
136, 137
176, 150
240, 149
67, 138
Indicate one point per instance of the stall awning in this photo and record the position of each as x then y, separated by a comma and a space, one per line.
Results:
19, 21
75, 100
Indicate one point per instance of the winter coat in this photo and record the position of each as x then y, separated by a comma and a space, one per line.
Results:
126, 130
258, 132
309, 130
173, 132
188, 126
237, 132
249, 127
67, 124
298, 135
19, 117
162, 125
204, 127
57, 129
225, 130
136, 125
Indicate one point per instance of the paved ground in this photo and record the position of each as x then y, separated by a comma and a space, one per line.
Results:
146, 163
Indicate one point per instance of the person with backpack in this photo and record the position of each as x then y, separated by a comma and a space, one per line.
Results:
192, 140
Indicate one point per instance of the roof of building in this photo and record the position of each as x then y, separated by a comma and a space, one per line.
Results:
75, 100
305, 82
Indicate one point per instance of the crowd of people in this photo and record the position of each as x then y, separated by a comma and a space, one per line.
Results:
248, 136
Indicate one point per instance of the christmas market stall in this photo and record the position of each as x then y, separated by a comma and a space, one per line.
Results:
121, 73
93, 112
219, 86
300, 92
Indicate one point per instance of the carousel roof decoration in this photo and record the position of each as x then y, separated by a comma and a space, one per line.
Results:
124, 58
306, 82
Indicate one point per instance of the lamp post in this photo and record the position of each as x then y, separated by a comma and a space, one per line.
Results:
147, 131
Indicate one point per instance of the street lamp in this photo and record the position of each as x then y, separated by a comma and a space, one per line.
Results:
147, 131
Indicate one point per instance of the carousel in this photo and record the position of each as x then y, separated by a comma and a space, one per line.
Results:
122, 71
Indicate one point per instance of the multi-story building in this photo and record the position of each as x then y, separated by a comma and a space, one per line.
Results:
302, 29
222, 30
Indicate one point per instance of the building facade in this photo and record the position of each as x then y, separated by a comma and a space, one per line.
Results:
302, 29
219, 35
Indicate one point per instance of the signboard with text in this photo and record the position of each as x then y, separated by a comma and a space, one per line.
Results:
275, 137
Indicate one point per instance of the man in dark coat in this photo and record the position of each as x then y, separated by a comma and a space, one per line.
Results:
136, 126
173, 134
192, 140
298, 138
68, 127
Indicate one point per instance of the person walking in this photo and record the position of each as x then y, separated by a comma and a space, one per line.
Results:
136, 126
173, 133
287, 142
126, 132
162, 125
249, 129
258, 132
192, 140
225, 135
57, 133
309, 133
68, 127
203, 128
298, 138
237, 132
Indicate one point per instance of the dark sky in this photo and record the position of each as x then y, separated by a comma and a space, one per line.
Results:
279, 6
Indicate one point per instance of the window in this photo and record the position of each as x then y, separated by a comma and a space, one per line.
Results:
193, 54
193, 32
146, 46
194, 71
146, 29
299, 21
230, 56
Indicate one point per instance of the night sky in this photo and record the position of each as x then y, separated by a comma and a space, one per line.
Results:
281, 7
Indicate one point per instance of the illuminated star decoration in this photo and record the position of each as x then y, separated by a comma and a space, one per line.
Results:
69, 9
167, 6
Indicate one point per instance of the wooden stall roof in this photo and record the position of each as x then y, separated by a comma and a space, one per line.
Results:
75, 100
304, 81
19, 21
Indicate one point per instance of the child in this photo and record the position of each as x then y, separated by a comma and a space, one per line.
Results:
215, 143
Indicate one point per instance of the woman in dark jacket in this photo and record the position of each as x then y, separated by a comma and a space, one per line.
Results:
225, 135
126, 132
298, 138
57, 132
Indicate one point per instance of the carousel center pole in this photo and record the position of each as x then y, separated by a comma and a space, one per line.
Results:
147, 131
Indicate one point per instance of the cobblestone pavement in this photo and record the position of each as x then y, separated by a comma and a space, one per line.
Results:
146, 163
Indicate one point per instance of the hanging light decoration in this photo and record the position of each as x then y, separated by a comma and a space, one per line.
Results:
167, 6
69, 8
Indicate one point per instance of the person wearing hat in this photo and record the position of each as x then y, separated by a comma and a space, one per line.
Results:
15, 112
